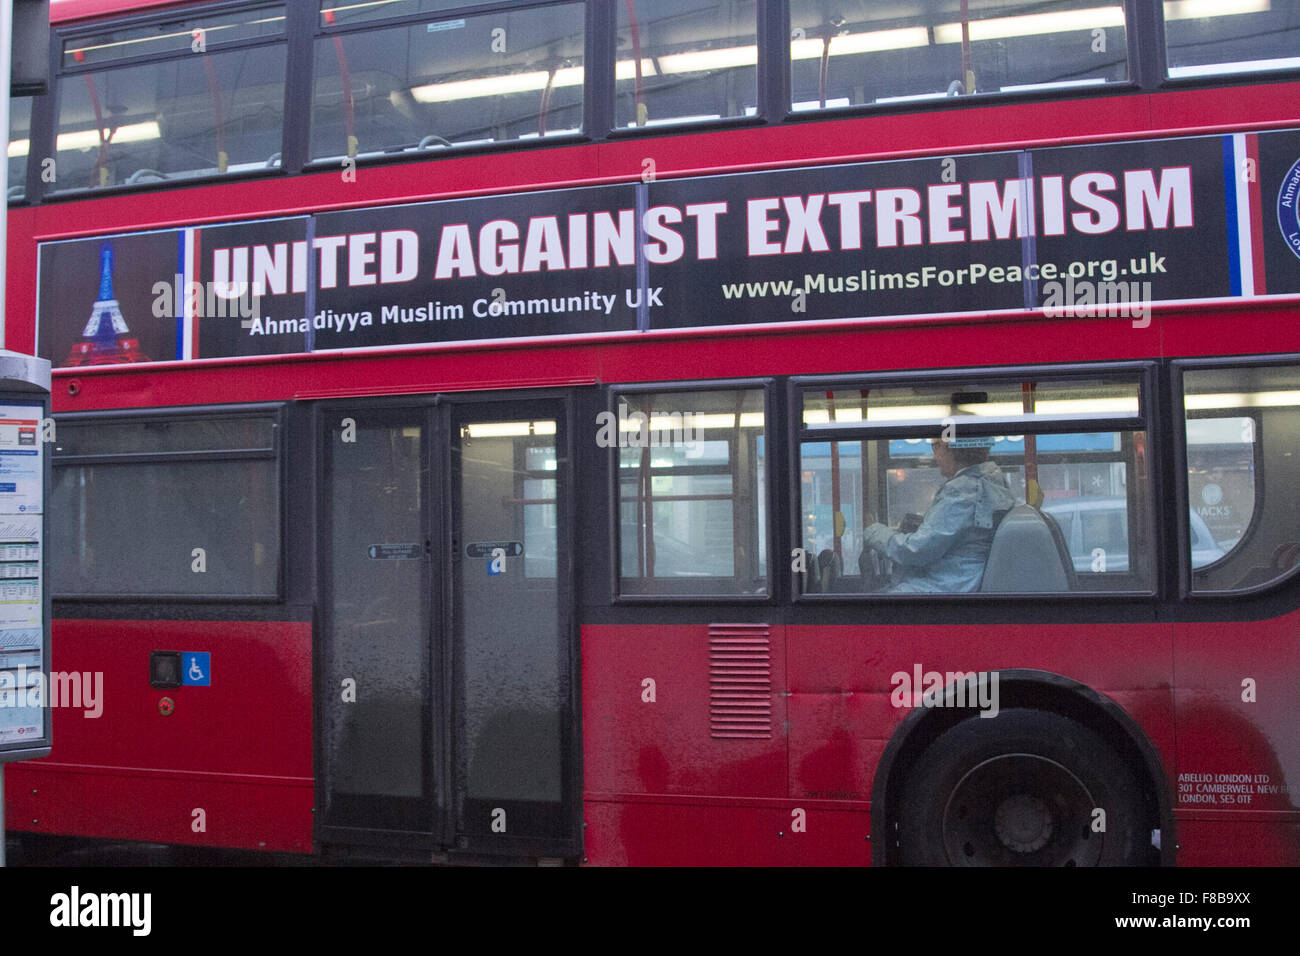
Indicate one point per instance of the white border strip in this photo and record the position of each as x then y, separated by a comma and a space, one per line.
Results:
184, 307
1245, 253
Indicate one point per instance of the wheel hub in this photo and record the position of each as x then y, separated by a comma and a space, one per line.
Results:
1023, 822
1020, 810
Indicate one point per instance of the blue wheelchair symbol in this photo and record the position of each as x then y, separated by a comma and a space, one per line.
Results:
196, 669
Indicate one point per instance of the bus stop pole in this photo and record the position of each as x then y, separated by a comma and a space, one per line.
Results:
6, 53
6, 57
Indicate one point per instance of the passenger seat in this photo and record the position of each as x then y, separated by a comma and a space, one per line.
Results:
1028, 555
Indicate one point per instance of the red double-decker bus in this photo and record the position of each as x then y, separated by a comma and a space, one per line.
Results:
707, 431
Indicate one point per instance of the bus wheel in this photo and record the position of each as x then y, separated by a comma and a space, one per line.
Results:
1024, 788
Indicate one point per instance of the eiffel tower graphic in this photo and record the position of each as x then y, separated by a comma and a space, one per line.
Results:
106, 340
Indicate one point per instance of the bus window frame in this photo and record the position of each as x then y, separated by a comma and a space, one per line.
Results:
1158, 62
175, 15
1138, 27
1178, 369
468, 8
1146, 420
61, 35
1145, 49
768, 500
274, 410
321, 31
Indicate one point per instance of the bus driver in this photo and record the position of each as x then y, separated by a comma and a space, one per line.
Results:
946, 554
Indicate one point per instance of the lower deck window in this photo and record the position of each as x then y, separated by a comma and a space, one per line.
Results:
692, 491
922, 508
143, 514
1242, 429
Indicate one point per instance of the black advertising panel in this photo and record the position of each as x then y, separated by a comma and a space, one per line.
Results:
1150, 215
849, 238
949, 234
554, 263
1101, 229
226, 318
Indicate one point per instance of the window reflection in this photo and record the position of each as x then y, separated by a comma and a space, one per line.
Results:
683, 60
860, 52
342, 12
178, 118
195, 35
128, 512
107, 541
921, 509
1242, 427
1222, 37
20, 122
494, 78
199, 105
692, 488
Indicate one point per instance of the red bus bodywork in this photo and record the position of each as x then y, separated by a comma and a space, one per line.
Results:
656, 789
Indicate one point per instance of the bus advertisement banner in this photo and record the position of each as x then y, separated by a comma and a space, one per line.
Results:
1095, 230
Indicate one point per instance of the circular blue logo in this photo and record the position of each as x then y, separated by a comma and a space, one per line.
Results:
1288, 208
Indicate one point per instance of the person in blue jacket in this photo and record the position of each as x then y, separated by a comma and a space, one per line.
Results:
947, 553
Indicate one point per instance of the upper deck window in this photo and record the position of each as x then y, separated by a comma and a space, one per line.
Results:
347, 12
683, 60
200, 96
20, 124
1222, 37
497, 77
856, 52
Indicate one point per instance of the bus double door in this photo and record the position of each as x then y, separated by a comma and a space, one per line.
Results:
445, 682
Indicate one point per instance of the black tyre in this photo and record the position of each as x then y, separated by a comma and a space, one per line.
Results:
1020, 789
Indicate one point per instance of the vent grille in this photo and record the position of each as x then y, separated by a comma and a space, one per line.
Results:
740, 681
